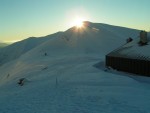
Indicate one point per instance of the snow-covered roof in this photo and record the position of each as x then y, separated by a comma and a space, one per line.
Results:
133, 50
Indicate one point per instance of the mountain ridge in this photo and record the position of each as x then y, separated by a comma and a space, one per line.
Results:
17, 49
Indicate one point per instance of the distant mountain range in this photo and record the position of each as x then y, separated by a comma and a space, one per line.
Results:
3, 45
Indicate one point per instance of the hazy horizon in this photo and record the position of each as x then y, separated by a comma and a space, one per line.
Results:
23, 19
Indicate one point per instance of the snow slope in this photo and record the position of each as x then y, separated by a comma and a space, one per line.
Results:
17, 49
93, 39
71, 77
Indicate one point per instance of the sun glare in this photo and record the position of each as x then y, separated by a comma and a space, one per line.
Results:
78, 23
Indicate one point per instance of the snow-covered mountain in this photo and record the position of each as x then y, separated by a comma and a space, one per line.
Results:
92, 39
17, 49
61, 76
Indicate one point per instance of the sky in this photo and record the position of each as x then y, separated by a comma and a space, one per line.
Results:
20, 19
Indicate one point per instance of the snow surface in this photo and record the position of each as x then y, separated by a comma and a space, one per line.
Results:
17, 49
72, 77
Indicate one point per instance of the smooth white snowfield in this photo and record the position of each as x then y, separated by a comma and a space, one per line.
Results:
71, 78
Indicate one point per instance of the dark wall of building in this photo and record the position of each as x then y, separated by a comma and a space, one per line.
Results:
136, 66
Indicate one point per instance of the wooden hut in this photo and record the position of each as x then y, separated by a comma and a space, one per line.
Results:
130, 58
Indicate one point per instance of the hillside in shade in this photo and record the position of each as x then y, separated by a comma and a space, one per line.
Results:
65, 73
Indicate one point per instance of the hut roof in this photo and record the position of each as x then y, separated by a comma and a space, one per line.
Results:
132, 50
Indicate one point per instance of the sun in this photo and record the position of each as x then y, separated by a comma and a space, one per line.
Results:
78, 22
